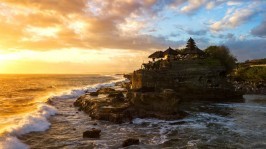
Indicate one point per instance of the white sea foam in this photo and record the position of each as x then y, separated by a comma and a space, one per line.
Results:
34, 121
165, 128
37, 120
11, 143
74, 93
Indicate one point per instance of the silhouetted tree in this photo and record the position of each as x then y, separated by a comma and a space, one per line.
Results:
191, 44
222, 53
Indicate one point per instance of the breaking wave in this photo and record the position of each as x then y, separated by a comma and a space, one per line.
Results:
37, 120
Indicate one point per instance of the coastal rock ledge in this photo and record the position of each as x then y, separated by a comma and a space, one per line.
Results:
160, 87
117, 108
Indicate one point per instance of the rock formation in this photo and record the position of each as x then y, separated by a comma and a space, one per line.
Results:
117, 108
160, 88
130, 141
194, 79
93, 133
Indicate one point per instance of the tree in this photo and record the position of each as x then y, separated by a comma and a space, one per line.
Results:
222, 53
191, 44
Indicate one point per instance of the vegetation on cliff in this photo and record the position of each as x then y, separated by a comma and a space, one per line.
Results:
251, 71
254, 74
222, 53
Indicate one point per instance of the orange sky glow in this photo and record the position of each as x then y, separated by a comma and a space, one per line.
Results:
117, 36
68, 37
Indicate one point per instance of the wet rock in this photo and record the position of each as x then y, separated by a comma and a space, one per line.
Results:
166, 102
105, 90
104, 108
118, 83
94, 94
117, 97
117, 109
126, 85
93, 133
115, 94
130, 141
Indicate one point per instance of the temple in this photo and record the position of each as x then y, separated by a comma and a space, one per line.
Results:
190, 72
162, 59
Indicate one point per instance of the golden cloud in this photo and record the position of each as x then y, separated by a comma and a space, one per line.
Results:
49, 24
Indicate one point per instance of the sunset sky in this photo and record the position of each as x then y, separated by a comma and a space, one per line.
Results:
114, 36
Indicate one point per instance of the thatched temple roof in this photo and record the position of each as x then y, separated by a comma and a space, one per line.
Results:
170, 51
193, 51
157, 54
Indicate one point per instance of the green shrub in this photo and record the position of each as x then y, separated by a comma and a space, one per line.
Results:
255, 74
222, 54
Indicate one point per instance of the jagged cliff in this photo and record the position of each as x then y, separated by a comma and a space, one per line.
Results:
160, 87
194, 79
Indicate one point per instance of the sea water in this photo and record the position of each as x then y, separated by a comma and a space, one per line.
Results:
23, 102
28, 122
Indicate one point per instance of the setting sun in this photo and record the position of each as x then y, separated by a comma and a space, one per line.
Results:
103, 74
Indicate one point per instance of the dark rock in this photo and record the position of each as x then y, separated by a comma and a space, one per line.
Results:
126, 85
130, 141
118, 83
116, 94
105, 90
94, 94
116, 97
104, 108
116, 109
128, 76
166, 102
197, 79
94, 124
93, 133
145, 89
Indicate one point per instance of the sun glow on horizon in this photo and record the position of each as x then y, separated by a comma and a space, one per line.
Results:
64, 61
90, 36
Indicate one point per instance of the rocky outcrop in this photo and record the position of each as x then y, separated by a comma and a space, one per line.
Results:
160, 93
166, 101
130, 141
117, 108
94, 94
200, 79
250, 87
112, 109
93, 133
105, 90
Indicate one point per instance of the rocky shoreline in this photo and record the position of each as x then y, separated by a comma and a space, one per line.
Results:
122, 106
249, 87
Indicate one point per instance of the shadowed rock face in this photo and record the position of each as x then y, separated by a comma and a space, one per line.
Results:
160, 93
130, 141
118, 109
200, 79
166, 102
93, 133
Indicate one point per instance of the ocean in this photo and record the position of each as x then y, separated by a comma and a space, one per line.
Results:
28, 120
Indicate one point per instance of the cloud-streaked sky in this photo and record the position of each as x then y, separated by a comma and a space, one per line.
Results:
95, 36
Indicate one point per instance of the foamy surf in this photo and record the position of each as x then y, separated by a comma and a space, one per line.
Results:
31, 122
12, 143
37, 120
74, 93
